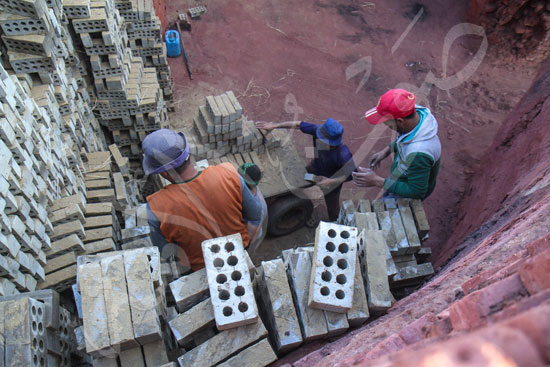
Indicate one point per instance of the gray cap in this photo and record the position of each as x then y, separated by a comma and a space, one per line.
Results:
164, 149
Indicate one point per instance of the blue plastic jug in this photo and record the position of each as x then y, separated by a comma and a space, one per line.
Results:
173, 47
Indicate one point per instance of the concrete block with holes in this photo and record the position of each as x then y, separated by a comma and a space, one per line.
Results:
229, 282
24, 333
333, 267
312, 321
277, 307
372, 256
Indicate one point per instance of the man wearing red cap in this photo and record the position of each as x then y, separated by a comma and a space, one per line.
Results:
417, 148
333, 160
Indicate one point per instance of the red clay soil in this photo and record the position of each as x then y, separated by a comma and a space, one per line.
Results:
288, 60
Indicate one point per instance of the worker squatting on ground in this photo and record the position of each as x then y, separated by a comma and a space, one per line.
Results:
417, 148
333, 160
252, 175
196, 206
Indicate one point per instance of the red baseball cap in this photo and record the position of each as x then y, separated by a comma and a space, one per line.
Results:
394, 104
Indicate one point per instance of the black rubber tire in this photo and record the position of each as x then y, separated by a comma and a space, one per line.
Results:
287, 214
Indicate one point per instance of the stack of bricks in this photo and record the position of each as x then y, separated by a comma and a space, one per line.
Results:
221, 130
130, 101
37, 331
194, 324
403, 225
144, 30
88, 224
122, 312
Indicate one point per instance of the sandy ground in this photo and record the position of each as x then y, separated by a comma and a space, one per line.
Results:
310, 60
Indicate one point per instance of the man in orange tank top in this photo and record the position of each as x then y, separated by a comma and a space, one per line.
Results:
196, 206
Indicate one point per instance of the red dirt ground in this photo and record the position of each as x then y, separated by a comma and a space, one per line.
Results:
271, 52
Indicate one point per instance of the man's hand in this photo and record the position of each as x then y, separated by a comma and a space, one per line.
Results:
365, 177
265, 125
375, 160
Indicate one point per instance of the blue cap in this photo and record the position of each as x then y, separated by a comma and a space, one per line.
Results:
330, 132
164, 149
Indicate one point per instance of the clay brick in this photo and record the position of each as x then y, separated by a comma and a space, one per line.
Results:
223, 345
117, 305
187, 325
143, 306
539, 245
229, 282
470, 311
312, 321
418, 329
391, 344
94, 312
280, 316
333, 270
258, 355
535, 273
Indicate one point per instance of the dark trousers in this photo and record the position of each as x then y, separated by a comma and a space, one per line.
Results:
332, 199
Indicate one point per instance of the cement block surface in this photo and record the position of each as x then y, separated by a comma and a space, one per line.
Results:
333, 270
187, 325
229, 282
258, 355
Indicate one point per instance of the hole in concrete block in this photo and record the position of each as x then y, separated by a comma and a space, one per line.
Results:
343, 248
344, 234
328, 261
325, 291
215, 249
34, 343
41, 345
232, 260
239, 291
221, 278
33, 310
229, 246
342, 264
331, 233
34, 326
236, 275
218, 262
65, 332
340, 294
40, 328
330, 246
40, 311
361, 241
243, 307
326, 276
35, 359
341, 279
227, 311
362, 254
224, 295
42, 362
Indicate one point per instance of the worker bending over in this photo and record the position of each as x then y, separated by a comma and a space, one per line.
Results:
196, 206
417, 148
333, 160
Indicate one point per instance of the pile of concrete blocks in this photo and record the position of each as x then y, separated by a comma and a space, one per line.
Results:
403, 226
130, 101
124, 308
144, 30
194, 327
220, 131
35, 330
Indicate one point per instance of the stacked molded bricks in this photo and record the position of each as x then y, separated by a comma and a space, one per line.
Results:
49, 323
120, 308
403, 224
221, 129
316, 323
194, 328
144, 33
